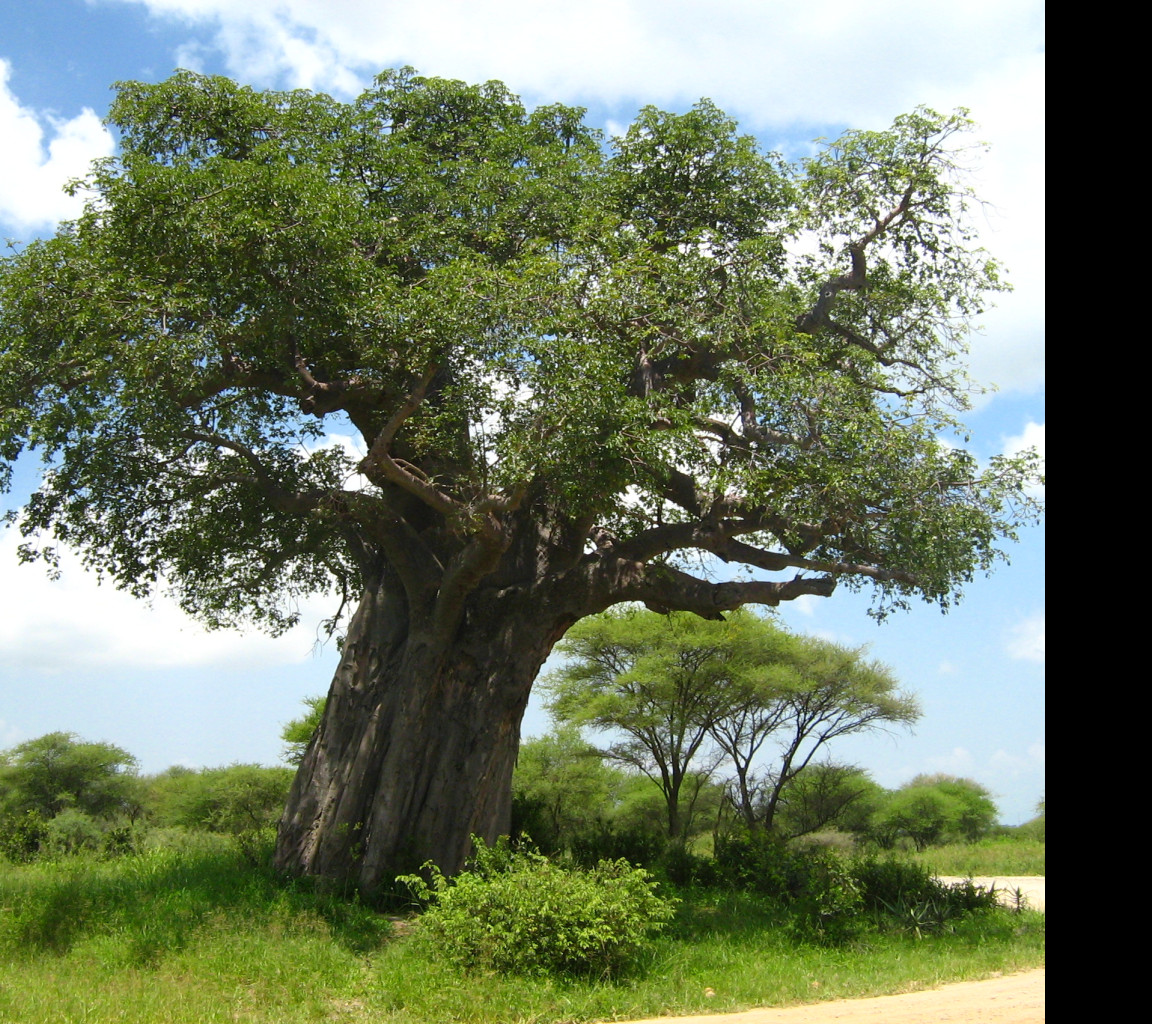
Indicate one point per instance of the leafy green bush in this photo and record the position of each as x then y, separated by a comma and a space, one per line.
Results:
906, 895
73, 831
238, 798
829, 896
515, 911
22, 836
813, 883
686, 869
604, 841
891, 881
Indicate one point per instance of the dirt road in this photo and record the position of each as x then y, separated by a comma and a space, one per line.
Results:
1032, 886
1012, 999
1009, 999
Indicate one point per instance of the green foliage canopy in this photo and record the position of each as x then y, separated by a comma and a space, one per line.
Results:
236, 798
680, 345
298, 733
932, 809
59, 771
687, 693
518, 912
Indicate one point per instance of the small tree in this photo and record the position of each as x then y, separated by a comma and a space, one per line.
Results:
298, 733
933, 809
60, 771
561, 787
660, 682
686, 694
815, 692
828, 795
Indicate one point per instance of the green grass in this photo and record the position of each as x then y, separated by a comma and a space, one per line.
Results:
199, 935
1002, 855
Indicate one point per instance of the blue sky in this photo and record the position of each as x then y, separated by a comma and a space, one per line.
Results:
86, 658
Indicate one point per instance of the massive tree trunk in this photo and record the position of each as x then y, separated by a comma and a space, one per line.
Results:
421, 729
416, 748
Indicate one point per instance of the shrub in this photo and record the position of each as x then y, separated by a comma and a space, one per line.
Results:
813, 883
516, 911
604, 841
906, 894
888, 882
753, 861
238, 798
73, 831
22, 836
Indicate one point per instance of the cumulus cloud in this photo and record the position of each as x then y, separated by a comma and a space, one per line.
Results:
40, 155
1032, 436
1025, 640
56, 625
775, 60
958, 761
1006, 763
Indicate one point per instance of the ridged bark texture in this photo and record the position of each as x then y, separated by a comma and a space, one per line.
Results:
416, 747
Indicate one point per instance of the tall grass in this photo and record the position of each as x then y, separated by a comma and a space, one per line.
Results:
200, 934
998, 855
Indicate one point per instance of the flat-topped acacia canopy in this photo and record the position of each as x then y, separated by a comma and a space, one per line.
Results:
572, 370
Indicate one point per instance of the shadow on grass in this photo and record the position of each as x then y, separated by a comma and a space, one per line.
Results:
152, 903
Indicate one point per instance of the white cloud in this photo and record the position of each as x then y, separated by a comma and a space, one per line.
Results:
778, 65
775, 60
56, 625
1025, 640
1005, 763
32, 174
958, 761
1007, 102
806, 604
1032, 436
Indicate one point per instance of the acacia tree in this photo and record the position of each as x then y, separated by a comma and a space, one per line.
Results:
688, 694
658, 681
298, 733
828, 795
564, 368
816, 691
59, 772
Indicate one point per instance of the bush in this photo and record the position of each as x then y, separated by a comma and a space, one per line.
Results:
603, 841
237, 799
22, 836
907, 895
813, 883
516, 911
73, 831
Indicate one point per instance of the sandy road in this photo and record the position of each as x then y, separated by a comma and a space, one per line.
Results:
1011, 999
1008, 999
1032, 886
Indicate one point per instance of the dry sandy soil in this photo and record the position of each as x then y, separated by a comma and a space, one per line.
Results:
1031, 885
1010, 999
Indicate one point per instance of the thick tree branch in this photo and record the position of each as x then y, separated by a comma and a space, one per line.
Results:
817, 318
663, 589
718, 538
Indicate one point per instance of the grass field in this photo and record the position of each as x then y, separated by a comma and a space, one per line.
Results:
997, 856
198, 934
